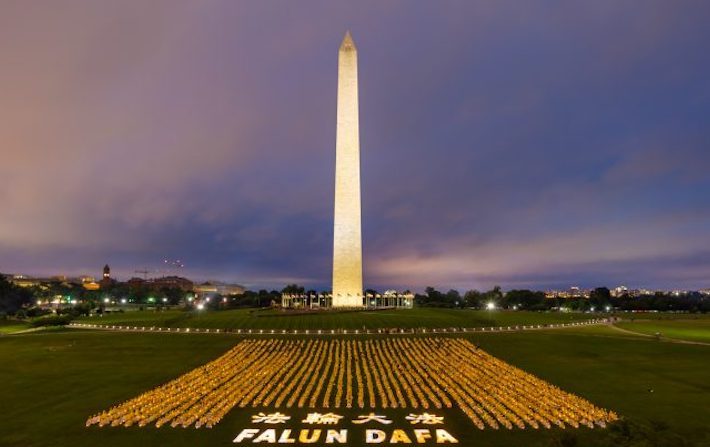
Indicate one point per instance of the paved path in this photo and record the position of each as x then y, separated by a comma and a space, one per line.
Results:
335, 332
409, 331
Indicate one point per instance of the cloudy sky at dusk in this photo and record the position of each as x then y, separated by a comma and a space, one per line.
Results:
526, 144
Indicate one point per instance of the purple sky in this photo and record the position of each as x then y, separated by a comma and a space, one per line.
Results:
526, 144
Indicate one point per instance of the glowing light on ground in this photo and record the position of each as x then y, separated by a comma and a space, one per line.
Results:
419, 373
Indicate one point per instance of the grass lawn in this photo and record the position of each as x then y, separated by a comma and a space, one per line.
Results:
616, 371
691, 330
53, 381
633, 316
10, 326
402, 318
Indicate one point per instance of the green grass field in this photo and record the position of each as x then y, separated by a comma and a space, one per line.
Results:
697, 330
52, 381
11, 326
403, 318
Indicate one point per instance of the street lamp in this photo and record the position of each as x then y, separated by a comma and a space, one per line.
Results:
491, 305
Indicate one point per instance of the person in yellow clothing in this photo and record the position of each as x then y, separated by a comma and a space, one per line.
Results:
395, 372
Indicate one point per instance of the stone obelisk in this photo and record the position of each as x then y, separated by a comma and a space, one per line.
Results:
347, 237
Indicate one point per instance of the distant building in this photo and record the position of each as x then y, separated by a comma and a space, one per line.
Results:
106, 280
136, 282
165, 282
91, 285
24, 281
215, 287
619, 291
572, 292
170, 282
88, 282
28, 281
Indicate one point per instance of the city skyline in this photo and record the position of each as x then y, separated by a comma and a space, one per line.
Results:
560, 146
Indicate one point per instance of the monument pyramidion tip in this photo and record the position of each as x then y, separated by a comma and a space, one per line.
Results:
347, 43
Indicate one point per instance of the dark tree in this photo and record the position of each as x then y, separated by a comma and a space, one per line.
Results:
525, 299
434, 298
600, 298
495, 295
453, 298
473, 298
173, 294
12, 297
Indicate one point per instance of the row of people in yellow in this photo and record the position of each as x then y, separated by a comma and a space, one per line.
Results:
399, 372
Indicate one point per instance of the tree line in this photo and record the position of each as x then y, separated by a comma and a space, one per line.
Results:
534, 300
20, 301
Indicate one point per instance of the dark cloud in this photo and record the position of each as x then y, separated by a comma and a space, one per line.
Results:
519, 144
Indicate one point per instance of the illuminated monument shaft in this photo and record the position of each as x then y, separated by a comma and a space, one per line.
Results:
347, 236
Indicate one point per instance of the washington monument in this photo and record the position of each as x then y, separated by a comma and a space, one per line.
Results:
347, 236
